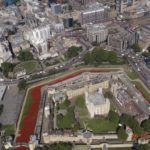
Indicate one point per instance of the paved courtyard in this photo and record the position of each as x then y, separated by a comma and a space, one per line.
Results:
12, 104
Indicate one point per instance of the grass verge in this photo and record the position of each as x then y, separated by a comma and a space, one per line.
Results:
142, 89
9, 129
132, 75
28, 102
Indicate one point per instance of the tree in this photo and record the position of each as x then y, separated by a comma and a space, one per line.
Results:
104, 55
76, 127
146, 125
122, 135
70, 8
108, 94
113, 116
141, 147
132, 123
67, 103
38, 148
25, 55
22, 85
99, 55
73, 51
58, 146
88, 59
148, 49
136, 48
112, 57
96, 55
1, 109
146, 54
7, 67
60, 117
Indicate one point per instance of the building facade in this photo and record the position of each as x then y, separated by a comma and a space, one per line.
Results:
96, 13
91, 87
56, 9
97, 33
5, 54
97, 104
39, 38
122, 41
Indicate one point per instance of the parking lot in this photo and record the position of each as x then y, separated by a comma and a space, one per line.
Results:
12, 104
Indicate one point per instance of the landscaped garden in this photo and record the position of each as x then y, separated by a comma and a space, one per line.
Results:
97, 125
68, 120
29, 66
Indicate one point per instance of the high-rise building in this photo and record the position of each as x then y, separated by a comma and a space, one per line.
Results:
97, 33
68, 22
96, 13
9, 2
39, 37
122, 41
56, 9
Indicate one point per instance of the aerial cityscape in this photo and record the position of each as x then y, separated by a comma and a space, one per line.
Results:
74, 74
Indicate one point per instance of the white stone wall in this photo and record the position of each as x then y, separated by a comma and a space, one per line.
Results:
5, 53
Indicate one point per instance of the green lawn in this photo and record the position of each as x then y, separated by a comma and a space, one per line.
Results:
29, 66
28, 102
97, 125
80, 147
68, 120
132, 74
9, 129
82, 110
100, 125
80, 102
142, 89
64, 105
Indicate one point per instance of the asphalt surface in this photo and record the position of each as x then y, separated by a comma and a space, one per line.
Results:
12, 105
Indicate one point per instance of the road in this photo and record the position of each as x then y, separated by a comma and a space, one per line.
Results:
140, 68
66, 66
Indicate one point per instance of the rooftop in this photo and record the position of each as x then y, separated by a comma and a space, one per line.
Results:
96, 98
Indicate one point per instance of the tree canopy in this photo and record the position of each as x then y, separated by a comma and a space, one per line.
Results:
132, 123
141, 147
22, 85
108, 94
25, 55
99, 55
113, 116
136, 48
7, 67
148, 48
73, 51
122, 135
88, 59
146, 125
58, 146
